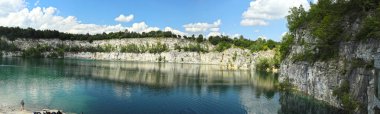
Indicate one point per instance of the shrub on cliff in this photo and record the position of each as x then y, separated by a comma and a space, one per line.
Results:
194, 48
343, 94
371, 26
264, 64
286, 45
158, 48
327, 23
130, 48
5, 46
222, 46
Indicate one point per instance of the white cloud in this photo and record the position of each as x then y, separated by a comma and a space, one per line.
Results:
214, 34
260, 11
203, 27
315, 1
236, 35
142, 27
8, 6
123, 18
211, 29
177, 32
15, 13
263, 37
45, 18
253, 22
283, 34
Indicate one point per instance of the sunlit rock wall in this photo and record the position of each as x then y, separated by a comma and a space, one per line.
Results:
320, 78
233, 58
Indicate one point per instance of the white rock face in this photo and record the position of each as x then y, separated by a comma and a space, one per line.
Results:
319, 79
233, 58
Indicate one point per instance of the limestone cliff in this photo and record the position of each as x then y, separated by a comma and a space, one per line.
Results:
320, 78
233, 58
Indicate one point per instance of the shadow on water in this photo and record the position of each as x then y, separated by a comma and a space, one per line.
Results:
140, 87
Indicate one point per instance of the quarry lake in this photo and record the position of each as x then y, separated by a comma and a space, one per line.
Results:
110, 87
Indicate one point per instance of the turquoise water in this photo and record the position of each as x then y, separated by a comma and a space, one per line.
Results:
98, 87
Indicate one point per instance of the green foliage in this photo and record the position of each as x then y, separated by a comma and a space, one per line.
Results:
326, 21
296, 18
29, 33
371, 26
54, 52
131, 48
277, 57
191, 48
158, 48
265, 63
343, 93
177, 47
215, 40
5, 46
242, 42
360, 63
262, 44
161, 59
308, 56
235, 56
107, 48
200, 38
194, 48
286, 45
36, 51
222, 46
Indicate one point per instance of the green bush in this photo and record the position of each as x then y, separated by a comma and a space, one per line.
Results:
158, 48
371, 27
32, 52
326, 21
194, 48
264, 64
235, 56
307, 55
107, 48
343, 93
222, 46
286, 45
177, 47
131, 48
296, 18
5, 46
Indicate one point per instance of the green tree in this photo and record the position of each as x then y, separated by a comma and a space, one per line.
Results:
200, 38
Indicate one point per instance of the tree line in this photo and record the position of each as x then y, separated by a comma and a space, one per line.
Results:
30, 33
222, 42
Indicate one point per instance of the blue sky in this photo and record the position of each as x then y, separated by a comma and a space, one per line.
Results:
162, 13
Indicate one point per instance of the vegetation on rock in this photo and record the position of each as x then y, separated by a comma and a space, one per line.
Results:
327, 23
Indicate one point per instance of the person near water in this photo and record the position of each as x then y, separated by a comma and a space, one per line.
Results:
22, 105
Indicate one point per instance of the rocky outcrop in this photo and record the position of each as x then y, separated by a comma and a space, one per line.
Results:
319, 79
233, 58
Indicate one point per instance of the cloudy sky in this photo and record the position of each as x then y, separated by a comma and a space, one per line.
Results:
251, 18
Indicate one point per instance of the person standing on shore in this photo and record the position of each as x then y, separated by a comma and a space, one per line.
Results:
22, 105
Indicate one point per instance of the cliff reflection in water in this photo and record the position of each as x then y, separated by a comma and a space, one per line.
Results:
200, 79
145, 87
166, 74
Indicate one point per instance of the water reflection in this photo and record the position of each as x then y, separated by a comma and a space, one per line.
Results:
113, 87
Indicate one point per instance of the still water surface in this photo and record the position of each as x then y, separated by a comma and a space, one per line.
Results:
98, 87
